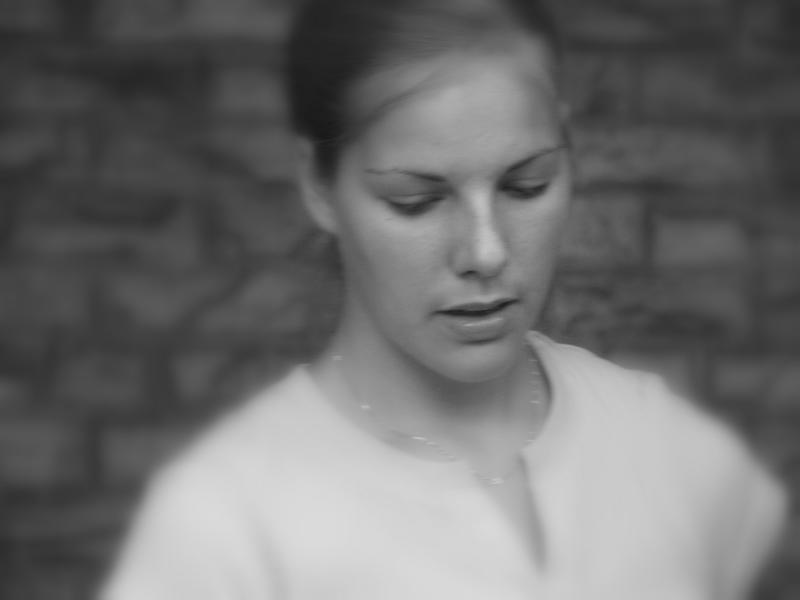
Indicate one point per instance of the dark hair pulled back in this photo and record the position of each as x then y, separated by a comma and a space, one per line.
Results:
335, 44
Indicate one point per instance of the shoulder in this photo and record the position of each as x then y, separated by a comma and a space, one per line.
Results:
192, 535
582, 366
626, 393
679, 448
588, 378
258, 433
644, 410
191, 538
269, 416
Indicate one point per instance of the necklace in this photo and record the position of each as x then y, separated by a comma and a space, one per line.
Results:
491, 480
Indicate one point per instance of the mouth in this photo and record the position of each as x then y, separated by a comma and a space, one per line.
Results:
478, 309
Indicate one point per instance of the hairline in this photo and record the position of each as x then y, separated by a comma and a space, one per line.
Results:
486, 46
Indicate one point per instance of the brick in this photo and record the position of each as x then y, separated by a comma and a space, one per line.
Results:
666, 155
142, 20
29, 15
41, 454
774, 93
597, 84
35, 90
197, 375
702, 86
784, 150
117, 207
781, 327
780, 309
678, 370
93, 206
791, 477
65, 520
644, 22
102, 382
16, 394
709, 302
625, 310
250, 371
35, 297
742, 376
781, 285
162, 88
766, 29
124, 157
780, 581
777, 444
253, 91
25, 146
52, 227
261, 150
47, 580
218, 379
779, 236
24, 349
131, 454
148, 19
789, 553
264, 220
770, 382
604, 229
682, 86
690, 12
260, 19
158, 300
700, 242
602, 22
9, 206
780, 250
273, 301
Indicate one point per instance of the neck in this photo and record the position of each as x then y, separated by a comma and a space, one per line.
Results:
417, 400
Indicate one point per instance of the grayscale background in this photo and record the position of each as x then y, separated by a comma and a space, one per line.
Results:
155, 264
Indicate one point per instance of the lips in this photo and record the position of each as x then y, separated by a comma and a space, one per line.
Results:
478, 309
478, 322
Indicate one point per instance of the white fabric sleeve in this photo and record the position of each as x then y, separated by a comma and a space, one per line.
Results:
188, 542
762, 524
749, 506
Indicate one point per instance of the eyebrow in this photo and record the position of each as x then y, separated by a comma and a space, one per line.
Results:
439, 179
417, 174
534, 157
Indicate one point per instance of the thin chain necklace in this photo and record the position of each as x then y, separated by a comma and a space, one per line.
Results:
491, 480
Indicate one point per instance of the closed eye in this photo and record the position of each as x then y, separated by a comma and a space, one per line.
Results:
522, 190
414, 204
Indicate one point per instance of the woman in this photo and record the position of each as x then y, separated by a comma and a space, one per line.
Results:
436, 448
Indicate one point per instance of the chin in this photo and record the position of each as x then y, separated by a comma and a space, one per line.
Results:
476, 362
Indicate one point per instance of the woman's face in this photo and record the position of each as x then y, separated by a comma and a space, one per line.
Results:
448, 208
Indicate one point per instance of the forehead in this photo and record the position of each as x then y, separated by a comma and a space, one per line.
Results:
466, 113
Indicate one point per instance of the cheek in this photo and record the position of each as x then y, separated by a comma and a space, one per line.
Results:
538, 232
390, 258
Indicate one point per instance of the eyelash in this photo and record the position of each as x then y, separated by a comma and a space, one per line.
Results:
412, 209
527, 192
427, 201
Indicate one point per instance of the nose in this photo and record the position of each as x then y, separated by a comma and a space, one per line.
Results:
481, 249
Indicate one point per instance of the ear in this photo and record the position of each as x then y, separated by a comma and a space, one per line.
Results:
314, 190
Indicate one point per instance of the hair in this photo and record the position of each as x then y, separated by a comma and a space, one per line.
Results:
336, 44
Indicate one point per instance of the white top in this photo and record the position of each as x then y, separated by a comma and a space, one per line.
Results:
641, 496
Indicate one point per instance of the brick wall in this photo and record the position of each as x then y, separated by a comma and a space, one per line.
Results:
149, 236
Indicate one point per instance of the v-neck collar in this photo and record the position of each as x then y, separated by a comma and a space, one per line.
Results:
537, 454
